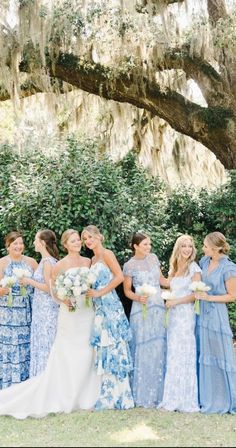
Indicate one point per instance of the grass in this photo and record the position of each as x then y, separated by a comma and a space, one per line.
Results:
133, 428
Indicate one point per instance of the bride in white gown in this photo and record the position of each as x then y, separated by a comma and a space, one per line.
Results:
70, 381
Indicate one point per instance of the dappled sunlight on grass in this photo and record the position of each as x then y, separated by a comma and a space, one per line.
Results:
137, 434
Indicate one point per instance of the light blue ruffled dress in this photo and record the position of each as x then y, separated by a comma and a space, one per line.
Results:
110, 338
44, 322
15, 324
216, 355
148, 344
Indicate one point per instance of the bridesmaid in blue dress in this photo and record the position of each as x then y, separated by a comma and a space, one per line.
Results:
148, 345
44, 308
15, 318
216, 355
111, 333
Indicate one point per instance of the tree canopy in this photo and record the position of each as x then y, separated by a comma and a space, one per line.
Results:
134, 51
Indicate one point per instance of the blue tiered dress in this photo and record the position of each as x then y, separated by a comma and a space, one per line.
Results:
15, 324
110, 338
148, 344
44, 322
216, 355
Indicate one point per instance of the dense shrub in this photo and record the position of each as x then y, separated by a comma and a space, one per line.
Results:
77, 185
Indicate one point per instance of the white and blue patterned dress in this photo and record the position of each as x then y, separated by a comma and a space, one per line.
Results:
216, 354
181, 391
110, 338
44, 322
15, 324
148, 344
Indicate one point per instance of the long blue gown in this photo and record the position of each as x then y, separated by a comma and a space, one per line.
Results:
148, 344
110, 338
15, 324
215, 351
44, 323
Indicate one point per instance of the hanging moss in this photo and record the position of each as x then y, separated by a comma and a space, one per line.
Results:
216, 117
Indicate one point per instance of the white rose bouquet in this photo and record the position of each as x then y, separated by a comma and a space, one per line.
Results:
146, 291
72, 284
167, 295
198, 287
8, 282
20, 273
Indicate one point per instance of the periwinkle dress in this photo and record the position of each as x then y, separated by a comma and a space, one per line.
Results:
44, 322
110, 338
216, 355
15, 324
148, 344
181, 391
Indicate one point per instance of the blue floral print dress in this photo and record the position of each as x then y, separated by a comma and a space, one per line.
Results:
44, 322
216, 354
110, 338
148, 344
15, 324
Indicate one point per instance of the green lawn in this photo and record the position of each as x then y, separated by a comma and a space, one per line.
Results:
133, 428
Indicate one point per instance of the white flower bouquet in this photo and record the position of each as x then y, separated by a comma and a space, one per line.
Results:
19, 273
74, 283
198, 287
8, 282
167, 295
146, 291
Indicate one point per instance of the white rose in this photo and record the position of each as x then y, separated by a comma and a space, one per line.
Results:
77, 291
61, 293
67, 282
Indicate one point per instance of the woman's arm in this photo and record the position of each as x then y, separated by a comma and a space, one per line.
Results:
230, 285
112, 263
186, 299
3, 290
45, 287
165, 282
130, 294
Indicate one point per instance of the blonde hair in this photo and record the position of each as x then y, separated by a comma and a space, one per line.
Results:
217, 239
66, 235
175, 256
93, 230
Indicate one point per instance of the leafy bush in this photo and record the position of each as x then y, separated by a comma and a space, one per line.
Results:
77, 185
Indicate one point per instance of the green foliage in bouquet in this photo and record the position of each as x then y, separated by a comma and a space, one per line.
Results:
77, 184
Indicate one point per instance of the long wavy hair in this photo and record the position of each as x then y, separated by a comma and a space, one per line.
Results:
175, 256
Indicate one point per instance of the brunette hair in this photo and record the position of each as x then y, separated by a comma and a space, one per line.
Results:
217, 239
50, 239
174, 259
66, 235
11, 237
137, 238
94, 231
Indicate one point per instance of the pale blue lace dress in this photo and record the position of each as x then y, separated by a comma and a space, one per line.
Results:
15, 324
110, 338
181, 391
44, 323
148, 344
216, 355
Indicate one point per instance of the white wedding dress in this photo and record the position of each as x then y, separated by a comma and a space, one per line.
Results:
69, 382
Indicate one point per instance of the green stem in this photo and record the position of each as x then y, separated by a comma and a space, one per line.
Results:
167, 315
144, 310
10, 298
23, 291
197, 307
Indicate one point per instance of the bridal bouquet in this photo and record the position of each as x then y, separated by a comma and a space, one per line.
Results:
198, 287
8, 282
167, 295
19, 273
146, 291
73, 283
